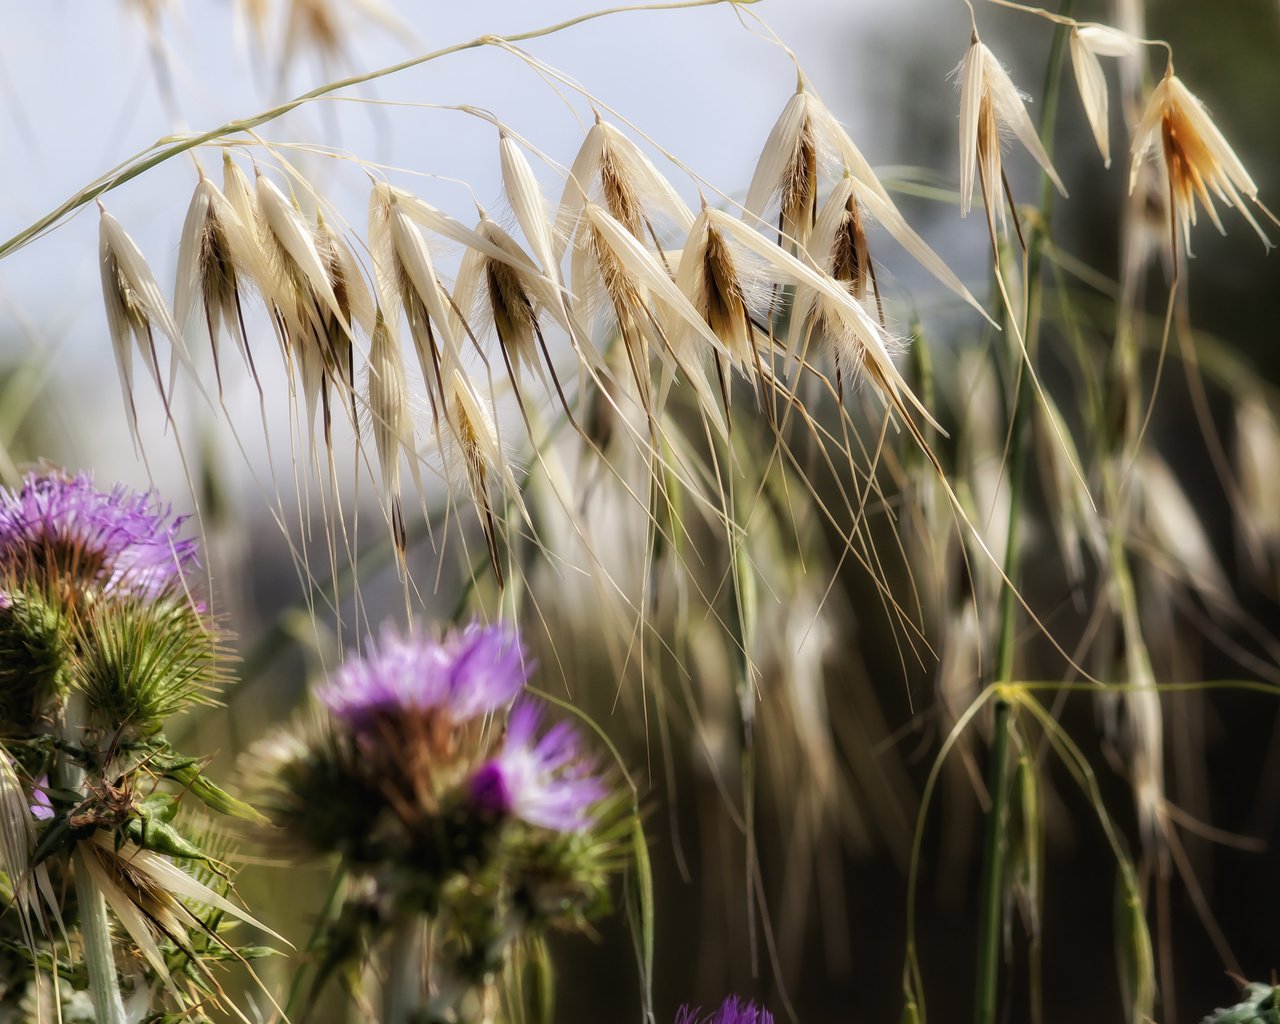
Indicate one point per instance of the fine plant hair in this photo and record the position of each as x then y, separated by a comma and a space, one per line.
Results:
744, 556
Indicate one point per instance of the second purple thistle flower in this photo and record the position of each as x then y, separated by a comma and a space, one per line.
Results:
466, 674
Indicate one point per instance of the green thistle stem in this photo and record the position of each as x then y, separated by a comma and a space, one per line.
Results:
402, 991
95, 929
998, 777
99, 958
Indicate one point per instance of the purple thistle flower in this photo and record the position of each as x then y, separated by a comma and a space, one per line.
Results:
732, 1011
546, 782
123, 542
468, 674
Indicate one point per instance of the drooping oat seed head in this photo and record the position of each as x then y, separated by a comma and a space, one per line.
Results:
786, 174
300, 284
357, 309
407, 280
649, 307
837, 246
1088, 43
471, 438
1194, 158
545, 780
722, 287
868, 343
611, 169
834, 149
218, 257
1175, 530
990, 105
391, 422
508, 294
1257, 453
136, 310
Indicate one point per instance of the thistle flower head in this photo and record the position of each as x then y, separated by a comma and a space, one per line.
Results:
731, 1011
1194, 158
62, 528
463, 676
545, 781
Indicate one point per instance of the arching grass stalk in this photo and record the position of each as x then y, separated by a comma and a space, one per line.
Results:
170, 146
998, 775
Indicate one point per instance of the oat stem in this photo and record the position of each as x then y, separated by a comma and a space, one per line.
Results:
998, 767
993, 868
170, 146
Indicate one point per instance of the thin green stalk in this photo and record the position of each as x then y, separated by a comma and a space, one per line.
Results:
998, 771
402, 992
993, 869
170, 146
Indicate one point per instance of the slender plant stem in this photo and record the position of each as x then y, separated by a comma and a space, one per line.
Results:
171, 146
403, 990
998, 779
993, 868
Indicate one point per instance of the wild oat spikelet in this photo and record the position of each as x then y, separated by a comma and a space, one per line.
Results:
783, 174
337, 340
136, 309
787, 170
390, 420
611, 168
508, 293
1177, 133
474, 442
407, 281
709, 277
1088, 42
989, 104
637, 286
217, 256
